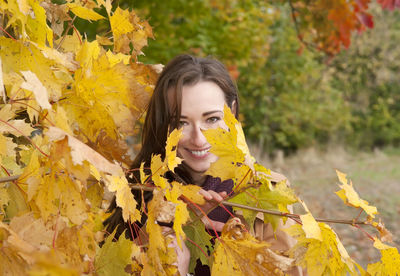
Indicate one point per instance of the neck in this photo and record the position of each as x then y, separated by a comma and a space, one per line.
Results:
198, 178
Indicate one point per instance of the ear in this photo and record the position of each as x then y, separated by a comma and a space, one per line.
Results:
234, 107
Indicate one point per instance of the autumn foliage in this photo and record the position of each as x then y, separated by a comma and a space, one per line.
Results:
68, 109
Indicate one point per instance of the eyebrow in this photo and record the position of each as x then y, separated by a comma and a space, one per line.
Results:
205, 113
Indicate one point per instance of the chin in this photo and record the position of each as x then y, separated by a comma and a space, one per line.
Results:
198, 168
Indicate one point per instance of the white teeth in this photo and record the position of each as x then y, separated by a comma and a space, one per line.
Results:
199, 152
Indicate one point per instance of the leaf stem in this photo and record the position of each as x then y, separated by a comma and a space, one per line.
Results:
198, 246
1, 28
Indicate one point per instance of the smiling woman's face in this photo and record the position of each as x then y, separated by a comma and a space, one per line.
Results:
202, 108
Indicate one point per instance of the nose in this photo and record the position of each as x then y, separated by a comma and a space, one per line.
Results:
197, 137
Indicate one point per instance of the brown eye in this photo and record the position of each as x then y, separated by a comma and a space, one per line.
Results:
213, 120
182, 124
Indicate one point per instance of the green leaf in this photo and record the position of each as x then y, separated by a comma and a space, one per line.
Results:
278, 198
197, 234
113, 257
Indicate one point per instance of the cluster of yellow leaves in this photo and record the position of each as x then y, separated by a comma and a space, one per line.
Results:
319, 249
67, 107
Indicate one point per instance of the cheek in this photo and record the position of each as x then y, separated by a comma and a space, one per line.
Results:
223, 125
181, 144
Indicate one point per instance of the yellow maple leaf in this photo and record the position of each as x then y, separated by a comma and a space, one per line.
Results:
158, 170
350, 196
33, 84
170, 149
224, 144
15, 127
325, 256
84, 12
311, 227
120, 23
239, 253
119, 184
181, 215
389, 263
159, 167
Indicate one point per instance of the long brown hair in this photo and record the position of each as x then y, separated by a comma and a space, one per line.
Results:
183, 70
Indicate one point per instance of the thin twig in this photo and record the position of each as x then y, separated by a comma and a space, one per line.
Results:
66, 33
309, 45
9, 178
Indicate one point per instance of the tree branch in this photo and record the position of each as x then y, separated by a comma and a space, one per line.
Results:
270, 212
9, 178
236, 205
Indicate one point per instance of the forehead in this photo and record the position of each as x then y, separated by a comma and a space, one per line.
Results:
202, 97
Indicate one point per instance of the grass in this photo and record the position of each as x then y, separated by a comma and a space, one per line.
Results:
375, 176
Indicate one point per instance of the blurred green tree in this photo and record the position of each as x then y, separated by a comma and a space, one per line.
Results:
367, 75
289, 103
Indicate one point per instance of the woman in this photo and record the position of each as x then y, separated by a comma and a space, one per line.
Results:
190, 94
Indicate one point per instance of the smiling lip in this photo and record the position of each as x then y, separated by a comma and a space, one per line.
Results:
199, 154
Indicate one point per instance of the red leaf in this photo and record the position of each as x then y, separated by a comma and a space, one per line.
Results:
367, 20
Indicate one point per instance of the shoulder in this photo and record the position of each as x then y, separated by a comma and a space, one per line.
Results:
277, 177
